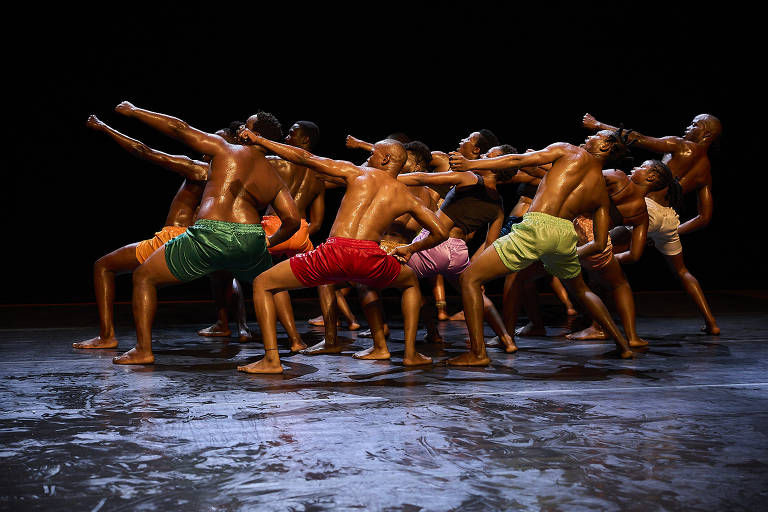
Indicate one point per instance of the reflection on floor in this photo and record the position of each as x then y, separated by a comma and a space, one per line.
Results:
558, 426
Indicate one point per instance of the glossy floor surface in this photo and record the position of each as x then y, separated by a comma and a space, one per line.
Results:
559, 426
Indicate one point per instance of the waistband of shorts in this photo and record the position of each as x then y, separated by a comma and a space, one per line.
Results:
221, 225
270, 217
545, 218
352, 242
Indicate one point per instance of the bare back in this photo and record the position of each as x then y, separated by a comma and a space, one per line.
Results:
302, 183
241, 183
626, 197
373, 200
573, 186
405, 227
185, 203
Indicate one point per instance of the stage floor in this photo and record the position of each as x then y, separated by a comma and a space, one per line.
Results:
559, 426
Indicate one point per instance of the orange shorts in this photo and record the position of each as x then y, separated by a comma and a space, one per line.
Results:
298, 243
584, 230
145, 249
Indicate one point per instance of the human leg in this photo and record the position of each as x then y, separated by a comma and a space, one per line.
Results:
693, 289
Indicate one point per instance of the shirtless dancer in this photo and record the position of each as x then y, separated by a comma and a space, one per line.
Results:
574, 185
128, 258
688, 161
309, 195
373, 199
227, 234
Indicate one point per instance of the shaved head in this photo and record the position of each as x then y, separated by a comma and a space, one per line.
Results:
395, 150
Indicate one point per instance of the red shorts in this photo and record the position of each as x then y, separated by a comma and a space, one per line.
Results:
346, 259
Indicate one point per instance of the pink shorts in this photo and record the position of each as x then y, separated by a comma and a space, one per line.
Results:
346, 259
449, 258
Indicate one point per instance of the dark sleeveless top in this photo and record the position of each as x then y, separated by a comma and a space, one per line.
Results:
472, 207
527, 190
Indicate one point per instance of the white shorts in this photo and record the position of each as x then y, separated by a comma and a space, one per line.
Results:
663, 222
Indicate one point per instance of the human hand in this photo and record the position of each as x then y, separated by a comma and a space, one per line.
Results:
401, 254
94, 122
589, 122
457, 161
125, 107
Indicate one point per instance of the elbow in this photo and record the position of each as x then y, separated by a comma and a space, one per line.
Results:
291, 224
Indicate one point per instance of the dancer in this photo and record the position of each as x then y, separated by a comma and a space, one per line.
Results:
129, 257
227, 234
372, 200
309, 195
574, 185
663, 198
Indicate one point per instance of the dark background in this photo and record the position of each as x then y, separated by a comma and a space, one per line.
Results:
436, 71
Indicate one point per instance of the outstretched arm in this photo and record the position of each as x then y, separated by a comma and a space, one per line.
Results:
333, 168
195, 170
460, 179
355, 143
206, 143
511, 161
704, 206
285, 208
657, 145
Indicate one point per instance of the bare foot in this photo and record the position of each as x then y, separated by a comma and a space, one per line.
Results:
571, 312
368, 334
353, 326
372, 353
509, 344
97, 342
626, 354
469, 359
298, 345
416, 359
262, 366
711, 329
322, 348
133, 356
217, 330
318, 321
457, 316
245, 334
592, 332
530, 329
442, 315
637, 342
434, 337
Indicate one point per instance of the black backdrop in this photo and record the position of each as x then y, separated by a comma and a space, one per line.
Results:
435, 71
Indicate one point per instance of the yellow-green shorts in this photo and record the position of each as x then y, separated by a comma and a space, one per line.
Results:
541, 237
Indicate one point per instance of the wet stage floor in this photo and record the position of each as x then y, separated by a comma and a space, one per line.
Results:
559, 426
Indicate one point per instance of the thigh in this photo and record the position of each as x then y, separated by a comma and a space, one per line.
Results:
278, 278
122, 259
486, 266
155, 269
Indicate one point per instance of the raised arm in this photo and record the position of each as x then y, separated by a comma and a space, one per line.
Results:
704, 207
355, 143
206, 143
290, 220
662, 145
195, 170
531, 159
333, 168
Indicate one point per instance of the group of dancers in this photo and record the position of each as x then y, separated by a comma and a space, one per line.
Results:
254, 198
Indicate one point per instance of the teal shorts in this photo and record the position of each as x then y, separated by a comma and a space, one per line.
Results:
211, 245
541, 237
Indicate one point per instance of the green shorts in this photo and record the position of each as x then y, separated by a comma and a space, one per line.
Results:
541, 237
211, 245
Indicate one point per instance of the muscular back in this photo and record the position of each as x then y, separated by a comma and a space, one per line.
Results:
573, 186
405, 227
302, 183
373, 200
241, 183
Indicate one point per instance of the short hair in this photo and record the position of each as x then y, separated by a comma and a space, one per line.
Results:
420, 150
311, 130
399, 137
230, 132
486, 140
268, 126
507, 149
667, 179
619, 145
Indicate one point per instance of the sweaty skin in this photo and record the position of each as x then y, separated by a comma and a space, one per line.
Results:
181, 213
372, 200
241, 182
574, 185
686, 157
